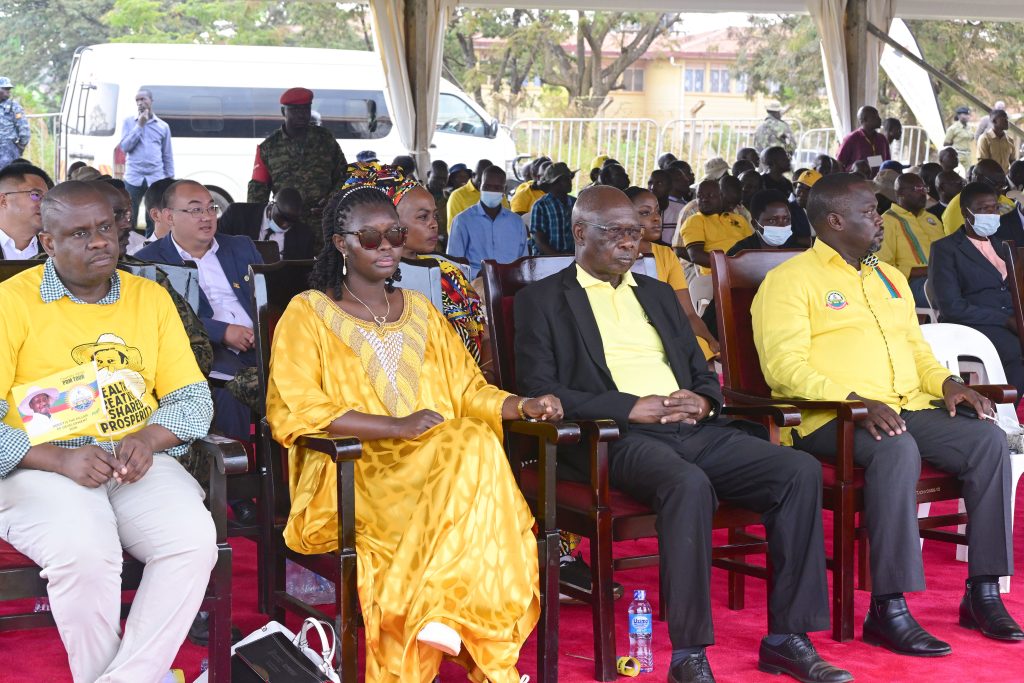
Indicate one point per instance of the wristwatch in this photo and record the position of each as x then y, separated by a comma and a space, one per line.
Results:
957, 378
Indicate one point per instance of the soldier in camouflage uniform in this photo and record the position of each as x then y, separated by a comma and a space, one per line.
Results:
299, 155
774, 132
960, 136
14, 130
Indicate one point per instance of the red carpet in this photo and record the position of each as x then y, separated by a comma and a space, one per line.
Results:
38, 656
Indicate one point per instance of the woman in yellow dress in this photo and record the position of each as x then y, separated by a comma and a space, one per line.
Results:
669, 269
447, 560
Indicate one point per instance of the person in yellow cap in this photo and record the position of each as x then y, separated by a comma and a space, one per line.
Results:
802, 230
299, 155
596, 164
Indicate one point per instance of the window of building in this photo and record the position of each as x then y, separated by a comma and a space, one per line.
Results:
693, 80
741, 83
719, 80
633, 80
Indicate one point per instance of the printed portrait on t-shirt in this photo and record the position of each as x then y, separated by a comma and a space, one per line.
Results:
119, 371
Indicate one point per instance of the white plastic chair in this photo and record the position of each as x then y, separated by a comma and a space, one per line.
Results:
701, 293
931, 311
956, 346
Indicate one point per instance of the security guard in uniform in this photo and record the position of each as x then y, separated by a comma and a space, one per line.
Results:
14, 130
774, 132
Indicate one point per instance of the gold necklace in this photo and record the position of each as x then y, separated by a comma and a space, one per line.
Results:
380, 320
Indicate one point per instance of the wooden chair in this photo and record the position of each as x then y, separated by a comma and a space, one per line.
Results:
736, 281
594, 509
269, 251
1014, 257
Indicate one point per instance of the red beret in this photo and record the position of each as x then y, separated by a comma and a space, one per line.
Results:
297, 96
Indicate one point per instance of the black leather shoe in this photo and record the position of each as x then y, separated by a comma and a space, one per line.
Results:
576, 572
889, 624
245, 512
982, 609
199, 632
693, 669
798, 658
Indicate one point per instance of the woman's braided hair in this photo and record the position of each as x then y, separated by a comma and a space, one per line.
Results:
327, 271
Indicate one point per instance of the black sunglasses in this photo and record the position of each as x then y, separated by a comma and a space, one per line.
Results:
371, 239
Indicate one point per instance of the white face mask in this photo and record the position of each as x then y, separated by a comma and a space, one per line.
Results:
985, 224
490, 199
776, 235
271, 224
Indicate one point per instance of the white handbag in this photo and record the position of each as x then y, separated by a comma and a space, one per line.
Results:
324, 660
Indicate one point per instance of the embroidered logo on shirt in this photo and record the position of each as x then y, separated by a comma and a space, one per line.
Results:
835, 300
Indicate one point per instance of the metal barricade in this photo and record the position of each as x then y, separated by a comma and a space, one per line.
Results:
813, 142
697, 140
43, 148
914, 148
633, 142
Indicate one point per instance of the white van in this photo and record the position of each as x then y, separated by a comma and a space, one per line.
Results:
221, 101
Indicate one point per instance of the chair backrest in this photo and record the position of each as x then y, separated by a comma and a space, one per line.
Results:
9, 269
185, 281
269, 251
701, 292
424, 276
501, 283
274, 285
955, 344
1015, 271
736, 280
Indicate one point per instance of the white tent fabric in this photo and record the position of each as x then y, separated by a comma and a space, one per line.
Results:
913, 82
414, 116
828, 17
880, 13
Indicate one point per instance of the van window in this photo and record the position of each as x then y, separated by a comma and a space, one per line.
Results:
454, 115
225, 112
93, 109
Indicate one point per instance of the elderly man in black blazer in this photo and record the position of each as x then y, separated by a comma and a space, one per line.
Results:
279, 221
614, 344
969, 278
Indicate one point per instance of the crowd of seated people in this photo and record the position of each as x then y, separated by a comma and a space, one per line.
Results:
358, 355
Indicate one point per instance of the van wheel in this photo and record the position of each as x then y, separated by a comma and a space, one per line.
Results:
220, 197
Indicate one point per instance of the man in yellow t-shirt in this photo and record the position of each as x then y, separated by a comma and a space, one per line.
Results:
469, 194
74, 505
909, 232
835, 324
711, 229
985, 171
528, 192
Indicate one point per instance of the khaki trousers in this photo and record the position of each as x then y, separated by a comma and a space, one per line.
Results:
77, 534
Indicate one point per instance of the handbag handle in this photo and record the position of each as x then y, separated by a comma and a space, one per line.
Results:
303, 642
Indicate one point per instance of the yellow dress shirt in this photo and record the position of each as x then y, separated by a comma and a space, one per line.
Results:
718, 232
952, 219
463, 198
524, 197
824, 330
632, 347
908, 238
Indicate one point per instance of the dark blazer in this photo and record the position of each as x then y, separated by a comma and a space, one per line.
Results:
937, 210
559, 349
1010, 227
968, 289
245, 218
235, 253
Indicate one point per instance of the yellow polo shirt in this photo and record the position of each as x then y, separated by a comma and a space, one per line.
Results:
463, 198
718, 232
524, 197
632, 347
908, 238
824, 330
952, 219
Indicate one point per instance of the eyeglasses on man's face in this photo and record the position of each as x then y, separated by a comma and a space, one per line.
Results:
617, 233
197, 211
34, 195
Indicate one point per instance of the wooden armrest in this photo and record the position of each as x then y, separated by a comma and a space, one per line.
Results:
226, 456
338, 448
561, 433
854, 411
600, 430
781, 414
997, 393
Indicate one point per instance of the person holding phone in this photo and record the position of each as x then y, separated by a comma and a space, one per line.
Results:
146, 140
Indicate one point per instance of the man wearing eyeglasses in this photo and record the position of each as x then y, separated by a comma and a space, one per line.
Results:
225, 301
909, 233
22, 188
614, 344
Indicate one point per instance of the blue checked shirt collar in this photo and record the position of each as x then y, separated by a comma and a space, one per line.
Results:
52, 289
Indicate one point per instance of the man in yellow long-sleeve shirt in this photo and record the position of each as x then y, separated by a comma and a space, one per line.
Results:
834, 324
909, 232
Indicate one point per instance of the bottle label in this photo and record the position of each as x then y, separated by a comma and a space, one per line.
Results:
639, 624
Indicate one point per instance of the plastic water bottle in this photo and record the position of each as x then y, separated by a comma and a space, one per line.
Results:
42, 605
641, 629
308, 586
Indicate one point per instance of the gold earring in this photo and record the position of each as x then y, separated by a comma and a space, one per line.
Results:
344, 264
